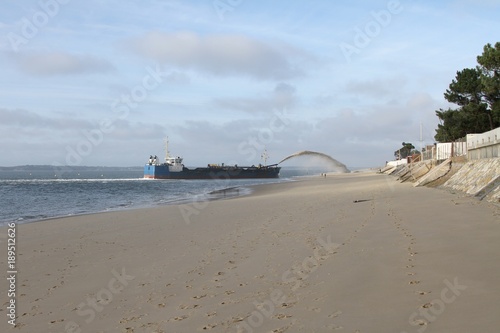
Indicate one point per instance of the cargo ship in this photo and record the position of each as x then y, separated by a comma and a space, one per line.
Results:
173, 168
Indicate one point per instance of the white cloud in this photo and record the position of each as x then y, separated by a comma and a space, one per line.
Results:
376, 87
282, 97
71, 128
20, 118
60, 63
221, 54
176, 77
421, 101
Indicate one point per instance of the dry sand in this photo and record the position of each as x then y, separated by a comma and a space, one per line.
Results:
346, 253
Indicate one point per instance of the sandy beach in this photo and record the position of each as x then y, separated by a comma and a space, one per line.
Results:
346, 253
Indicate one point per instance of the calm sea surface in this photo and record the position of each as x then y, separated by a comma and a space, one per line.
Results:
28, 196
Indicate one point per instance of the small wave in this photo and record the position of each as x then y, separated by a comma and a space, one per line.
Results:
72, 180
24, 219
121, 206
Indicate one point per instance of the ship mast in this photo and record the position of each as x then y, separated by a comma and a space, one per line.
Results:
264, 156
167, 153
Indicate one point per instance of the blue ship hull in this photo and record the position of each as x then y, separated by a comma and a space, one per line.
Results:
212, 172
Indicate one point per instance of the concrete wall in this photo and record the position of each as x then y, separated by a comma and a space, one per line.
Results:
444, 150
484, 145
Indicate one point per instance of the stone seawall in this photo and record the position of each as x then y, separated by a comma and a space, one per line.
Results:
478, 178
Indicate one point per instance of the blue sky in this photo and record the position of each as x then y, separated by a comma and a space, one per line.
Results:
104, 82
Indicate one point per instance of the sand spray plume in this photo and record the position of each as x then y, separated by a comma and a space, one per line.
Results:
328, 158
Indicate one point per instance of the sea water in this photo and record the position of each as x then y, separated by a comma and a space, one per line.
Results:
28, 196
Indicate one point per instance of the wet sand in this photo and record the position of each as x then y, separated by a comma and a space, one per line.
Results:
345, 253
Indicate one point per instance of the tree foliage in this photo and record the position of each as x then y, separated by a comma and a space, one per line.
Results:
489, 63
405, 151
476, 91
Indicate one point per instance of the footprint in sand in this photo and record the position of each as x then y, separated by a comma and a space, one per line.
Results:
238, 319
187, 307
286, 305
280, 330
126, 320
314, 309
334, 327
282, 316
209, 327
414, 282
335, 314
419, 322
